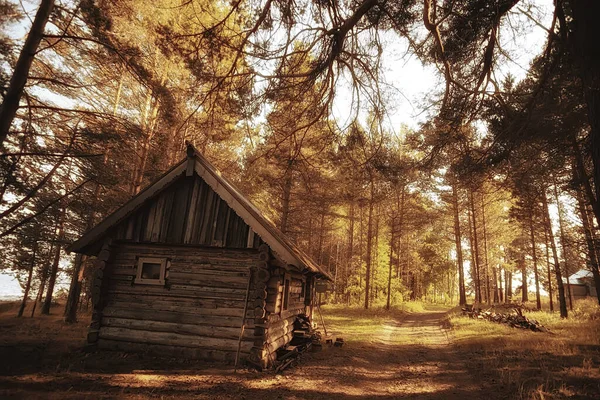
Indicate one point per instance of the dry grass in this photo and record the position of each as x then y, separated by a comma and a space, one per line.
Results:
400, 353
563, 364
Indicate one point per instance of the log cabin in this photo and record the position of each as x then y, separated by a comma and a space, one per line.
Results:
191, 268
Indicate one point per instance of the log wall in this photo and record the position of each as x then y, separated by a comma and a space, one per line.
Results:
196, 314
275, 328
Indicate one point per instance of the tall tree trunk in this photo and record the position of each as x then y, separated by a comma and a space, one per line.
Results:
287, 193
44, 277
375, 263
475, 250
400, 235
509, 288
538, 299
500, 288
321, 236
563, 245
29, 278
559, 283
389, 285
587, 54
10, 104
458, 242
582, 177
348, 267
485, 249
70, 313
369, 245
495, 277
589, 235
524, 288
55, 262
547, 246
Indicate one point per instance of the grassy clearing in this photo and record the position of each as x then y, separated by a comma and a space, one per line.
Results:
563, 364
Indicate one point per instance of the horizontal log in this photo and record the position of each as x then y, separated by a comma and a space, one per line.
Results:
276, 343
213, 270
171, 339
273, 334
283, 323
173, 290
175, 308
185, 329
208, 280
145, 314
146, 300
196, 255
275, 290
172, 351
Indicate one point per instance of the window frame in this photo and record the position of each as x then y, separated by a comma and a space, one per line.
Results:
151, 260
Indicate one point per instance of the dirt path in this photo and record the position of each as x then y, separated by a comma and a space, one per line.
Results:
408, 357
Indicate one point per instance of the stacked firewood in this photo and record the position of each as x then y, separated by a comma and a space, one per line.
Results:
512, 316
305, 338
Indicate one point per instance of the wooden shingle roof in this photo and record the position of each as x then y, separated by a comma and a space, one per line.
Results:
280, 244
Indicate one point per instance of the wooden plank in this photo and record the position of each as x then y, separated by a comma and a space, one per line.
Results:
150, 221
167, 216
190, 225
119, 215
180, 210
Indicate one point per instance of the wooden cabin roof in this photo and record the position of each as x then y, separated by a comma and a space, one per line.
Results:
279, 243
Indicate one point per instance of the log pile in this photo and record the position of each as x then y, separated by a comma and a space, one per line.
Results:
304, 339
511, 315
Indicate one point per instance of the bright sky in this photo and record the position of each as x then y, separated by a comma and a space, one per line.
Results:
410, 81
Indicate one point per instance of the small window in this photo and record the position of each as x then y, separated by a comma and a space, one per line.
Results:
151, 271
286, 294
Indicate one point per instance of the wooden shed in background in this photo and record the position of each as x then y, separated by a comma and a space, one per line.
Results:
179, 263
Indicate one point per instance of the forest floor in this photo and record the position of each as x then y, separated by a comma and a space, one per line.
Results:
432, 353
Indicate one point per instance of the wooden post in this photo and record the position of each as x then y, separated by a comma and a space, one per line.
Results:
237, 354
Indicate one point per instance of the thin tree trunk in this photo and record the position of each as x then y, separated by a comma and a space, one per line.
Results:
375, 257
389, 285
70, 313
369, 245
10, 103
458, 242
55, 262
321, 236
349, 264
524, 288
547, 246
28, 284
500, 288
475, 250
287, 192
485, 249
534, 258
44, 278
563, 245
559, 283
